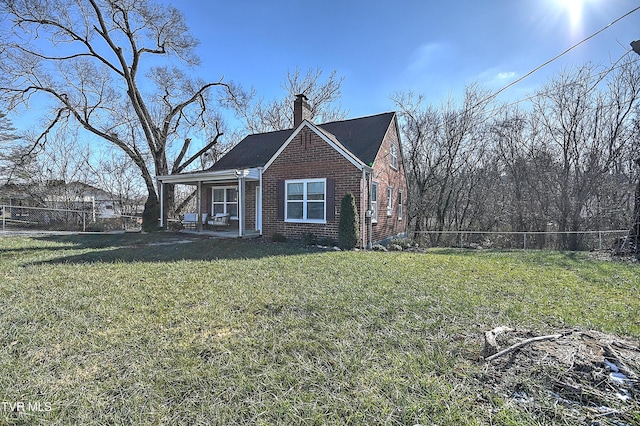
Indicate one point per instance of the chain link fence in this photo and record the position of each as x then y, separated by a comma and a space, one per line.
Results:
38, 219
583, 240
19, 218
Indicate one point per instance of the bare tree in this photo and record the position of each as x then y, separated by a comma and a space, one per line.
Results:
95, 64
442, 149
586, 128
522, 163
7, 131
635, 154
259, 116
7, 148
566, 163
111, 171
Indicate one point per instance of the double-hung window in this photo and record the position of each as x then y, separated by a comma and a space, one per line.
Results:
305, 200
393, 156
374, 202
225, 200
399, 205
389, 201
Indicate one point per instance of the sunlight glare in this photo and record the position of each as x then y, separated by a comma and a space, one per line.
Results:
573, 9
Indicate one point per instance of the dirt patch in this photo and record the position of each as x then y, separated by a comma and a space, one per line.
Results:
575, 377
611, 256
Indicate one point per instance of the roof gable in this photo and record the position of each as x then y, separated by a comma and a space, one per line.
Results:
328, 138
361, 138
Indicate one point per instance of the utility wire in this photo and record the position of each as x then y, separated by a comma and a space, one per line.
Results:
601, 76
559, 55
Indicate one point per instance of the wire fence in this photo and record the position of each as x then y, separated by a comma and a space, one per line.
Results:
19, 218
38, 219
553, 240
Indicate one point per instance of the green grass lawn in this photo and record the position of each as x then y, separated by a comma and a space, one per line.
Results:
110, 329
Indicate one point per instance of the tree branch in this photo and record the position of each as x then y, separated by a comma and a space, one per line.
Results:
179, 168
521, 344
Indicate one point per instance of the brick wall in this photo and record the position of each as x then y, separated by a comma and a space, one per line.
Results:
308, 156
250, 205
386, 177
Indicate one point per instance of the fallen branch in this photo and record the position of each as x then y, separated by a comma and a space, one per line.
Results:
521, 344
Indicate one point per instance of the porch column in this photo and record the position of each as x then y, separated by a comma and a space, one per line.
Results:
199, 206
241, 201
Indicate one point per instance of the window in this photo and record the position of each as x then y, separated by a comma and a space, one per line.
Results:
399, 205
225, 200
374, 202
389, 201
393, 155
305, 200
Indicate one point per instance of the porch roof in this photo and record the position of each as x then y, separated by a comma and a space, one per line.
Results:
216, 176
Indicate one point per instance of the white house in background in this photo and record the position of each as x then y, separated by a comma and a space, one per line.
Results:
81, 196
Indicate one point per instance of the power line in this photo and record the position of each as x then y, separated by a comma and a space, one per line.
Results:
561, 54
601, 76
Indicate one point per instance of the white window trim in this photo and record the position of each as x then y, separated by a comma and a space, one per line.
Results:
389, 201
225, 202
400, 207
374, 203
304, 219
393, 156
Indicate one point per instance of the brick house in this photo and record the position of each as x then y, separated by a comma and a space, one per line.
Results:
291, 182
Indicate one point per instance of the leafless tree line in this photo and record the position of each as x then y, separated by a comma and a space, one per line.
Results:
122, 73
565, 161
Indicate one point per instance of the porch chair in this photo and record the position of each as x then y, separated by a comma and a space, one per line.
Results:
189, 220
219, 220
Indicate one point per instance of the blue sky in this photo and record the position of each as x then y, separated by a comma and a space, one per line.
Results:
380, 47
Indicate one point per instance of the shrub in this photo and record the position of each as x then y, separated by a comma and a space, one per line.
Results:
309, 239
404, 242
278, 238
348, 234
327, 241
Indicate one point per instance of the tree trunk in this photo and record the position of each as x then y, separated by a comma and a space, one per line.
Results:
151, 213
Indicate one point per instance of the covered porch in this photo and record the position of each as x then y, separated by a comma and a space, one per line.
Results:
236, 194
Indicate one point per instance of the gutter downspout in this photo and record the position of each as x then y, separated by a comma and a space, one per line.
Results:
259, 206
370, 234
366, 203
363, 211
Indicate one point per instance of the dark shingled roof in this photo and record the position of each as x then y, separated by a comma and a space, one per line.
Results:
253, 151
361, 136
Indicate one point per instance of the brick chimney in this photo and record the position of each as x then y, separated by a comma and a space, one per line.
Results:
301, 110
